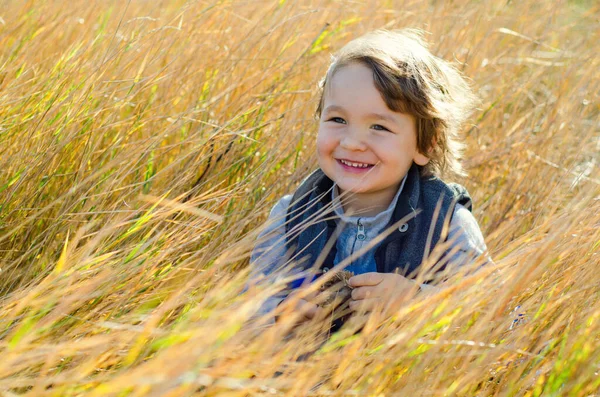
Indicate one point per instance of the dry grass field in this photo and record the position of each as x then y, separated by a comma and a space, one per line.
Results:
143, 143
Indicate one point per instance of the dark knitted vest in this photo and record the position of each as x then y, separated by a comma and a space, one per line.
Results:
310, 222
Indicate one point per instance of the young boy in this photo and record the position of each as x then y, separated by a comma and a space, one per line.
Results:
390, 113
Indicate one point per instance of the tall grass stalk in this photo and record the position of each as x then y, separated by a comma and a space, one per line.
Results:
143, 143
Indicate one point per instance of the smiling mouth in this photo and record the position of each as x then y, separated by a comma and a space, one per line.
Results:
355, 164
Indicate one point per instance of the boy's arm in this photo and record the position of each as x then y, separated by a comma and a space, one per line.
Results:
464, 230
468, 242
269, 252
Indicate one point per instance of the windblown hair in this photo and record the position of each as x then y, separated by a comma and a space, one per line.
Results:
411, 80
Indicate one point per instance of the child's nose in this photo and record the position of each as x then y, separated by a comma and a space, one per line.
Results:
353, 140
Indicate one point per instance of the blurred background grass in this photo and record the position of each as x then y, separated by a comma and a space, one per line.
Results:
144, 142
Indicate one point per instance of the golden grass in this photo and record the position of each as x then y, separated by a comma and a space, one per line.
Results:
142, 143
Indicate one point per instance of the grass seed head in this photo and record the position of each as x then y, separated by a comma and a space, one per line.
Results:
337, 293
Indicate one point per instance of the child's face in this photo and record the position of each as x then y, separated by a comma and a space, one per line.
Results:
362, 145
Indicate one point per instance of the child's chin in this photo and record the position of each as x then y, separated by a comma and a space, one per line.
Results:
352, 188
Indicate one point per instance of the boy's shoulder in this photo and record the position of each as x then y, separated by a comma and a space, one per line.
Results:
316, 180
314, 186
281, 207
434, 188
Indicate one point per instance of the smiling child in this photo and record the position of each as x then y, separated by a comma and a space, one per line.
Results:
389, 117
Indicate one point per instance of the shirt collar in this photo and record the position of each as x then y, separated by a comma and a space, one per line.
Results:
383, 217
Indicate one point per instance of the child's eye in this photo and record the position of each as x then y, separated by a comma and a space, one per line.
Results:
379, 127
338, 120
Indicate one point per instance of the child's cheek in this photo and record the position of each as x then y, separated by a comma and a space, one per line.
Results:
324, 146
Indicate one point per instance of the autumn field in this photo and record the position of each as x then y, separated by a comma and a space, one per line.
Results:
143, 144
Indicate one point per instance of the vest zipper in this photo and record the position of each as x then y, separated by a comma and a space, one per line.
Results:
361, 231
360, 235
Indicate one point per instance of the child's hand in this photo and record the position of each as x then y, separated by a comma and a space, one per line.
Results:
305, 306
377, 289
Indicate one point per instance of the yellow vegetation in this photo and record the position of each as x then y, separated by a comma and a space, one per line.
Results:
143, 142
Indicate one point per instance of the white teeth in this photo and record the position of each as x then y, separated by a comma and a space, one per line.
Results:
356, 165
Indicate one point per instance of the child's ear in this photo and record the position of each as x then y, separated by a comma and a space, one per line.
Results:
420, 159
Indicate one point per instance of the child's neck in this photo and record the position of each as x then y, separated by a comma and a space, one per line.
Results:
366, 204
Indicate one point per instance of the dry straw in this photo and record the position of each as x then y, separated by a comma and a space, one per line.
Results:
143, 143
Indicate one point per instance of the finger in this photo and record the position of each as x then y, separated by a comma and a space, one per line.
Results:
363, 293
365, 279
365, 305
318, 312
308, 309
